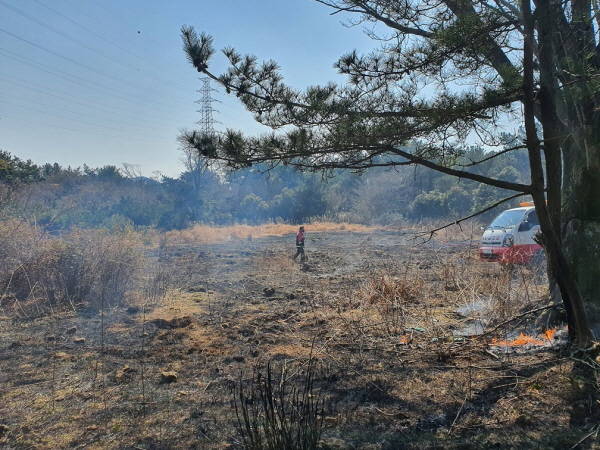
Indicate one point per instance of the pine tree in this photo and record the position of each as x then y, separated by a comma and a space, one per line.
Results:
537, 62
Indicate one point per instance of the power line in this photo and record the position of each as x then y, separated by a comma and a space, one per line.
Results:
112, 14
111, 42
89, 30
64, 35
58, 55
72, 78
77, 119
48, 113
90, 107
53, 114
80, 81
85, 66
66, 58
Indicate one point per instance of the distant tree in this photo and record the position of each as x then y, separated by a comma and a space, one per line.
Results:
428, 205
109, 173
131, 171
100, 197
254, 208
15, 170
484, 59
458, 201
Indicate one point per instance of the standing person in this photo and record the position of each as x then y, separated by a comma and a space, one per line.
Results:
300, 245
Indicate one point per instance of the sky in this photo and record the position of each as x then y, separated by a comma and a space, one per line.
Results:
106, 81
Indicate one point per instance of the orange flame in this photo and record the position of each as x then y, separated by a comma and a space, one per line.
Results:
405, 339
523, 339
550, 334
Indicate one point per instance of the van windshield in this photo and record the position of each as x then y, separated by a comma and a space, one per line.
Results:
508, 218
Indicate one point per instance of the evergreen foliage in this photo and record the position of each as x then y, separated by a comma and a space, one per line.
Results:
60, 198
14, 170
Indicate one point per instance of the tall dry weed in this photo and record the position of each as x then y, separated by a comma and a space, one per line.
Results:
387, 290
88, 267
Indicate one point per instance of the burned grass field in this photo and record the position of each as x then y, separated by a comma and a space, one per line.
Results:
377, 341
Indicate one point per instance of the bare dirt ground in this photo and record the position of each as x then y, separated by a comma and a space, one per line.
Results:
374, 313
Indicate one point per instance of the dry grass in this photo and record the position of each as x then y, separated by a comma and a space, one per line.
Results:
205, 234
294, 351
176, 304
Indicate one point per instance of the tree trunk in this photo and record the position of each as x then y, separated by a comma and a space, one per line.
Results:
553, 130
580, 231
581, 220
561, 268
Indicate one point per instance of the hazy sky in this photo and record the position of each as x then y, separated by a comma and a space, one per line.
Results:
106, 82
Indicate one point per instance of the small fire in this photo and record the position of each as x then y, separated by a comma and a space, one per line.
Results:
523, 339
406, 339
550, 334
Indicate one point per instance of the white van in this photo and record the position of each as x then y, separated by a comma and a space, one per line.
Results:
509, 239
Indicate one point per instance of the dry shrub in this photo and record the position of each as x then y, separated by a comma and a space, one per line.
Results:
488, 292
159, 275
84, 266
271, 261
388, 291
390, 297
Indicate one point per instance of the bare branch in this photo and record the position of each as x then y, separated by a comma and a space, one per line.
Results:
495, 155
517, 317
457, 222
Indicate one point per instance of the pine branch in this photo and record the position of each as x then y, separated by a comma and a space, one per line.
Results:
518, 187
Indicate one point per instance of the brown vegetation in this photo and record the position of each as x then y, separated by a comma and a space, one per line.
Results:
40, 271
373, 320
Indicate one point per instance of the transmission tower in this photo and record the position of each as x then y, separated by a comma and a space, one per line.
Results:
206, 122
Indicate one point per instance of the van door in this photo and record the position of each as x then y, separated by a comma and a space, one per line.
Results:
525, 244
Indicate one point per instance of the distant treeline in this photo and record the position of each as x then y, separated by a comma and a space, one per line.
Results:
59, 197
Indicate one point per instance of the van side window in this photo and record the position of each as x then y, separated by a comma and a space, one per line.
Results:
533, 218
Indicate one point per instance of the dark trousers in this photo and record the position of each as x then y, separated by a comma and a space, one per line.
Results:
300, 252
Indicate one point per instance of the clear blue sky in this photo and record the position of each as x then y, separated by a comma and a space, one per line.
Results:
106, 82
